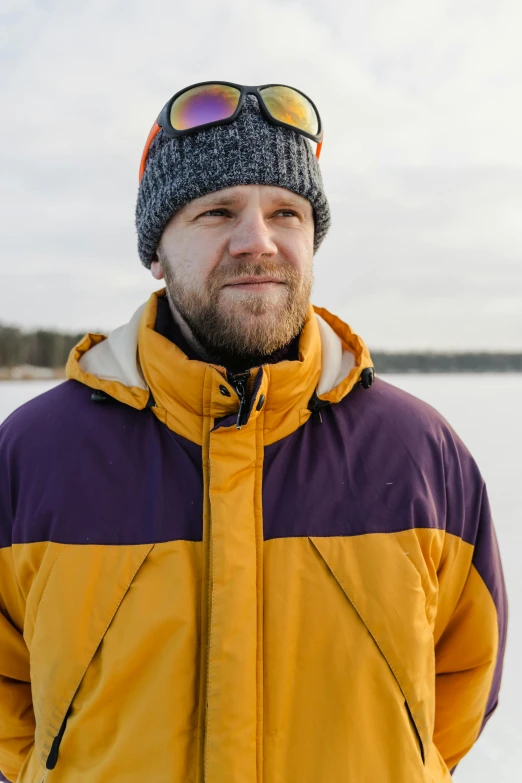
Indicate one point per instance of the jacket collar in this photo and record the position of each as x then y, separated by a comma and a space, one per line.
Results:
135, 362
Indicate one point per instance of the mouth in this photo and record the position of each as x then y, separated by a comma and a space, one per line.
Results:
256, 283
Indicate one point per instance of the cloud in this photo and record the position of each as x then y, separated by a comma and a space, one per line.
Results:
422, 156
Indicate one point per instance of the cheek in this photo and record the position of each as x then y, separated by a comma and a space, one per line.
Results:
205, 254
192, 266
299, 251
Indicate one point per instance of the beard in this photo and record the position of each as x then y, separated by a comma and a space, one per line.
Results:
237, 324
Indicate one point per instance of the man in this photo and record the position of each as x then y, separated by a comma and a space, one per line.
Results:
227, 555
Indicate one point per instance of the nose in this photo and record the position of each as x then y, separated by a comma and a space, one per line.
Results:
252, 237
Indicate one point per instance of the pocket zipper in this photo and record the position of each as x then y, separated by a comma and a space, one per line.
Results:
52, 758
415, 731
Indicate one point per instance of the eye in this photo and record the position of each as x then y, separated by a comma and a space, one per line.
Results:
211, 212
289, 212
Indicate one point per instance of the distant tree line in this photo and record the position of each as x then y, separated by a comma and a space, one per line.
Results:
446, 362
46, 348
42, 348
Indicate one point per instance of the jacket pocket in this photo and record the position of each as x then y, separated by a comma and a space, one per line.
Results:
85, 589
385, 590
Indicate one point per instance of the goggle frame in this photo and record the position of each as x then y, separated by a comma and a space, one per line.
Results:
163, 121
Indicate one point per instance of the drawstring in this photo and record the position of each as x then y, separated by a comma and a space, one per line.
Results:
316, 405
100, 396
367, 377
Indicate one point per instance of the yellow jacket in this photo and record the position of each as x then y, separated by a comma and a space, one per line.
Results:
315, 597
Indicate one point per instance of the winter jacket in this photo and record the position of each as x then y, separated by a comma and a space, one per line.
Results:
309, 594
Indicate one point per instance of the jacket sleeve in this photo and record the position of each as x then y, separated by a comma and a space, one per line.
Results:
470, 631
17, 723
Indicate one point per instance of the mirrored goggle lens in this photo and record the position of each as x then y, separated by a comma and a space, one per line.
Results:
200, 105
287, 105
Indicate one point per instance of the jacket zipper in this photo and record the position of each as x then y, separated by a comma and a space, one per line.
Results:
239, 383
210, 598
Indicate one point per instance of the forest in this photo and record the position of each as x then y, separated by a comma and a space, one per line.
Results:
45, 348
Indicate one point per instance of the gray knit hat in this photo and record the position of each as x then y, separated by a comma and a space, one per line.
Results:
248, 151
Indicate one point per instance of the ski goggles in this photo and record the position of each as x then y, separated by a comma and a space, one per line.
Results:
207, 104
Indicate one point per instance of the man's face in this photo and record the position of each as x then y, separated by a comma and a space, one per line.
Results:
237, 265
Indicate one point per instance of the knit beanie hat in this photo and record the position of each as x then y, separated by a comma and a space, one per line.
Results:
248, 151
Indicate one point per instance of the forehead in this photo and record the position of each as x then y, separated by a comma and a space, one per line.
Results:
241, 195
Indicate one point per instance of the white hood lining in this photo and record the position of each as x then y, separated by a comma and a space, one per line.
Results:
336, 362
116, 358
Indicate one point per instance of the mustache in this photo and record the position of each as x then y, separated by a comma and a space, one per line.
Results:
281, 272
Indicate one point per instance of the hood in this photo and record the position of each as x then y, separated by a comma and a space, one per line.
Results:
133, 362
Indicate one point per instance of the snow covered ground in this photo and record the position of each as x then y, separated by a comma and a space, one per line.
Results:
486, 411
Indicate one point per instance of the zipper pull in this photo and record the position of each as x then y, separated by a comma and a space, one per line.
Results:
239, 382
52, 758
242, 406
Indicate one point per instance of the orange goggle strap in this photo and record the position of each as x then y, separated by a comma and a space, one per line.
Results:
152, 135
156, 129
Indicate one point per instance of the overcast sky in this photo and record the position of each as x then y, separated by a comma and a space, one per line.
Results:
422, 158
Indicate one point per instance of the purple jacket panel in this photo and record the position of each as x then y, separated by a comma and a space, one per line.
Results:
75, 471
